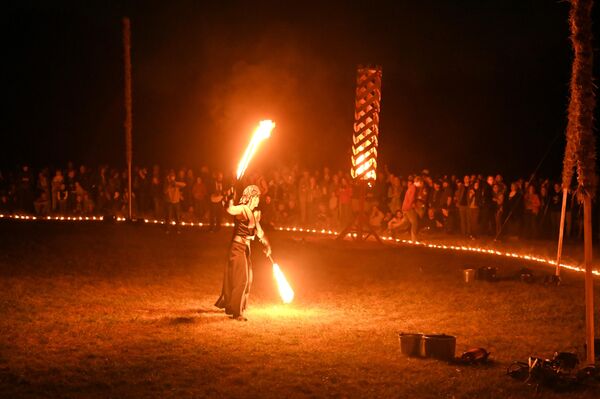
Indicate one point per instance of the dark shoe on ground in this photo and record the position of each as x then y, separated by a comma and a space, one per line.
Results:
240, 318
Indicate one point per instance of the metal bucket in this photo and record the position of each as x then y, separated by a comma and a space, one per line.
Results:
410, 344
442, 346
469, 275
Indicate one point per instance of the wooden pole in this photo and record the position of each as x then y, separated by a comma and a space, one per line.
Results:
561, 231
128, 117
589, 278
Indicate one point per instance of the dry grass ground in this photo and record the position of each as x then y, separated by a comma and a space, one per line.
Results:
98, 310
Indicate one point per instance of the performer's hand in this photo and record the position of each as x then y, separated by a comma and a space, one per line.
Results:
230, 194
268, 251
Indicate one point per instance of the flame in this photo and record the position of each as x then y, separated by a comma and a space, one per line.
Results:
285, 291
262, 132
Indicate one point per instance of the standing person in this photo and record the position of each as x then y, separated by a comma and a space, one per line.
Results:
199, 196
462, 202
498, 207
408, 207
475, 199
156, 192
345, 201
394, 193
303, 194
70, 181
532, 209
25, 190
141, 191
217, 189
57, 182
487, 210
237, 278
514, 211
555, 207
62, 197
174, 198
312, 200
543, 218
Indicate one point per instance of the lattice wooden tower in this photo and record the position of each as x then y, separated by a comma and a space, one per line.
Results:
364, 146
366, 123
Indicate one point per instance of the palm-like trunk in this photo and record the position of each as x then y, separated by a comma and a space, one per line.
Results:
581, 147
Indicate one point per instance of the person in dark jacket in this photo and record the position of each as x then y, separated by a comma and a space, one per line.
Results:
217, 189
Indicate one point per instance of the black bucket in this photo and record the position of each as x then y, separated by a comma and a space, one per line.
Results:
486, 274
410, 344
442, 347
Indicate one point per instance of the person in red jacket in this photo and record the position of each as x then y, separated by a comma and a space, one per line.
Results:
409, 207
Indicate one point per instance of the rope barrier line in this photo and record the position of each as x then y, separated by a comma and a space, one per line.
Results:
398, 241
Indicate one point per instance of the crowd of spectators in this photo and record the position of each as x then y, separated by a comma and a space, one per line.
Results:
411, 205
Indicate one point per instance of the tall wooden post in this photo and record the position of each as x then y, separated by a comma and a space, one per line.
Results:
581, 144
128, 117
589, 278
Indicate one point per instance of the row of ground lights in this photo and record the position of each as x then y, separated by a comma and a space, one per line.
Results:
323, 232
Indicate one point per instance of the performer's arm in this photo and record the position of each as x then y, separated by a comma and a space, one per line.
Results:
261, 237
234, 210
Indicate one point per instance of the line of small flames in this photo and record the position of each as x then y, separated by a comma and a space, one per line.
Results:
480, 250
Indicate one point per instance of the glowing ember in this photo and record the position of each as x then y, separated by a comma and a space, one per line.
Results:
262, 132
285, 291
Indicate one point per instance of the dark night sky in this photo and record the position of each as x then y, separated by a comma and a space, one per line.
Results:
467, 85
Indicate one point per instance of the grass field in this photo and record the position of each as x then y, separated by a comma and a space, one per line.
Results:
100, 310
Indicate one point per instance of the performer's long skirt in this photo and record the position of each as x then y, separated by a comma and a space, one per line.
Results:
236, 281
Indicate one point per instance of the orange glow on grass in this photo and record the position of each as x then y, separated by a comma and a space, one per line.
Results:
285, 291
261, 133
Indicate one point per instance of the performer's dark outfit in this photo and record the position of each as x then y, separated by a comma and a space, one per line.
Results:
238, 274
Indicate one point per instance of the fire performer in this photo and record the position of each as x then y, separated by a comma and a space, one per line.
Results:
238, 272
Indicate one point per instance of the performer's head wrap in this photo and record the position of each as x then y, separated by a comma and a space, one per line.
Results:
249, 192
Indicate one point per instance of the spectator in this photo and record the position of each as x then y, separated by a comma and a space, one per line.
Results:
199, 196
142, 191
394, 193
514, 207
42, 204
303, 192
543, 219
313, 200
217, 192
376, 219
498, 199
408, 208
462, 202
555, 206
396, 223
173, 198
24, 192
474, 206
532, 209
345, 201
156, 191
487, 206
432, 222
62, 197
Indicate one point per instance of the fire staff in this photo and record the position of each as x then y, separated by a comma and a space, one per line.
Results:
238, 272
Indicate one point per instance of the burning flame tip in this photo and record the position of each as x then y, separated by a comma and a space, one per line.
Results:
285, 291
